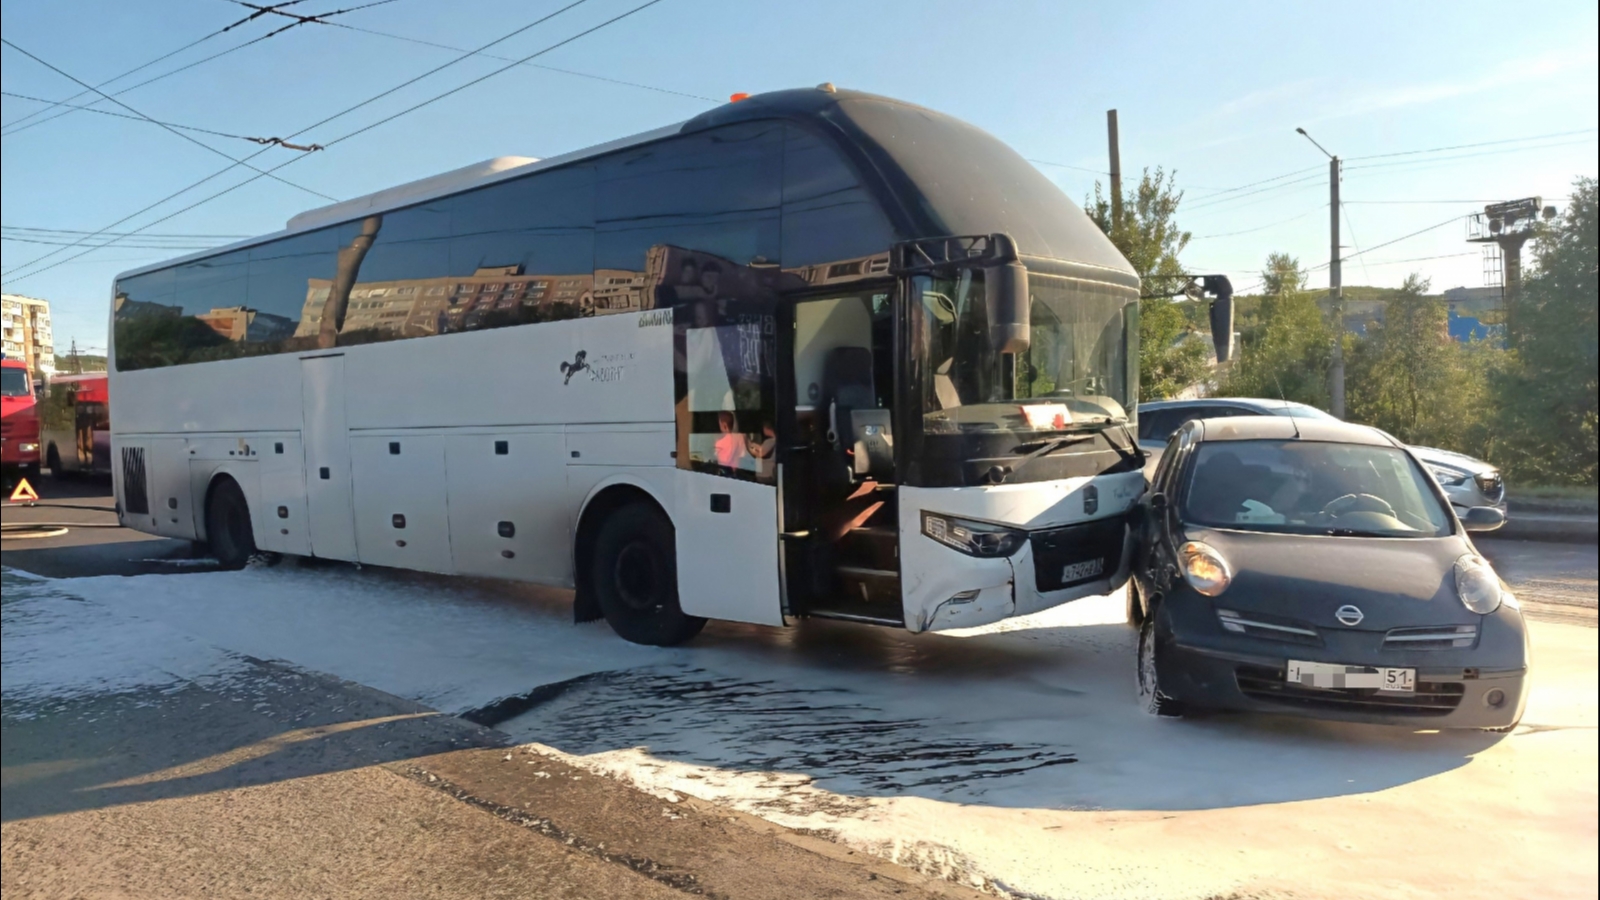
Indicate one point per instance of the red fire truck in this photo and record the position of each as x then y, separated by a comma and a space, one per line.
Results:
19, 420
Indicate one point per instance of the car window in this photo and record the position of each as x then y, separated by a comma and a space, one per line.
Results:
1311, 487
1157, 425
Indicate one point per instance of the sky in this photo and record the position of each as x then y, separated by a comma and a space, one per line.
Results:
1213, 94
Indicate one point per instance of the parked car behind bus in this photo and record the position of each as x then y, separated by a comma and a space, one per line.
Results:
1468, 482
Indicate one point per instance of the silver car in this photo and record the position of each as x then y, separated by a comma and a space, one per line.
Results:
1466, 481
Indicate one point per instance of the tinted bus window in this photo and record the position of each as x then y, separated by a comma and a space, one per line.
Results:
717, 193
828, 215
972, 183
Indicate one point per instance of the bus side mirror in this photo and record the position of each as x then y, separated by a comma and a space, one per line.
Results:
1221, 315
1006, 293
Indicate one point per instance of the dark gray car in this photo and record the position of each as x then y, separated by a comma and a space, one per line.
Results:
1309, 566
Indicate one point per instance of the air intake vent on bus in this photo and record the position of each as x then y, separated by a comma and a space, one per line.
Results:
135, 492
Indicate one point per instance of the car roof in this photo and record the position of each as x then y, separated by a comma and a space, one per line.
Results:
1261, 403
1287, 428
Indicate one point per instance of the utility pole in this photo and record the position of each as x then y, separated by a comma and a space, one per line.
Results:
1335, 292
1335, 282
1116, 170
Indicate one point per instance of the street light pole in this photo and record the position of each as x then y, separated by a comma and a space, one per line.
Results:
1335, 281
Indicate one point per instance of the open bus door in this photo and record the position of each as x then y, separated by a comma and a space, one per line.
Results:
726, 495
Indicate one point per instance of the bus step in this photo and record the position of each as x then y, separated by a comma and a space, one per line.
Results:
870, 587
871, 547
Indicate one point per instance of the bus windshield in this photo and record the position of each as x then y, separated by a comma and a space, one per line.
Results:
1073, 376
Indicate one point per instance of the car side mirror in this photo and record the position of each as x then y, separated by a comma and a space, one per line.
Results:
1483, 518
1158, 501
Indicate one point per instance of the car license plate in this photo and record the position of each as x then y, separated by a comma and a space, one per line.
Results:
1334, 675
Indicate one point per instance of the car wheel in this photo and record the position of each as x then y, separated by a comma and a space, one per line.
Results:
634, 571
1151, 697
228, 531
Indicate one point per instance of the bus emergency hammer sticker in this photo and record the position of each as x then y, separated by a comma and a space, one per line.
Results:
577, 365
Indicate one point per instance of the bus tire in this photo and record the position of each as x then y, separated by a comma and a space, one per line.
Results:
634, 571
228, 531
52, 460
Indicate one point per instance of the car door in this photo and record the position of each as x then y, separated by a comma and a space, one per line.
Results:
1157, 562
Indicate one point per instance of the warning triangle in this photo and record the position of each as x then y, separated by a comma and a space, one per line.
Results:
24, 492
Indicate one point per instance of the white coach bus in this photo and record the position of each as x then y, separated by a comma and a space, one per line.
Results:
814, 353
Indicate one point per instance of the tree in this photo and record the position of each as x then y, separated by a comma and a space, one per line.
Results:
1410, 379
1149, 237
1548, 397
1286, 353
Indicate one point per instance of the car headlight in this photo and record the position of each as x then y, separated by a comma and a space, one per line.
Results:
1448, 477
1477, 584
972, 538
1204, 568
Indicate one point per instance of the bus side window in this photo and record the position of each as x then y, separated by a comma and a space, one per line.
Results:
726, 389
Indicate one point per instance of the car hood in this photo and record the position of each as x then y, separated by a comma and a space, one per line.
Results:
1450, 458
1393, 581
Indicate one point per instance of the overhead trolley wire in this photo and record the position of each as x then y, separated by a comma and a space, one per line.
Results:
358, 131
226, 169
1536, 137
1404, 237
20, 124
28, 228
434, 44
147, 119
197, 142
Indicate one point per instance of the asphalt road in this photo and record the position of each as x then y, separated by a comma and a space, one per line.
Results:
298, 732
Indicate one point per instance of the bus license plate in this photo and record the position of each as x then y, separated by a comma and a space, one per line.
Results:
1334, 675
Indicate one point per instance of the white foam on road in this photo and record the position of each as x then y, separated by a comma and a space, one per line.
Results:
55, 647
1012, 756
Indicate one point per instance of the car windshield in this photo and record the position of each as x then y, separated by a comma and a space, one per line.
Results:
1073, 375
15, 382
1311, 487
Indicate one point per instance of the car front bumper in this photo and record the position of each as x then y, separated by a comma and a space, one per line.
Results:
1485, 687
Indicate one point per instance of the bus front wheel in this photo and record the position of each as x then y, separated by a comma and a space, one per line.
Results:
635, 576
228, 529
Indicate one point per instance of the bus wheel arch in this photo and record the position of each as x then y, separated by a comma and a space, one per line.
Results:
629, 570
604, 502
228, 531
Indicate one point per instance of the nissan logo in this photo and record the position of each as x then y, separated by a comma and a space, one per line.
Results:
1348, 615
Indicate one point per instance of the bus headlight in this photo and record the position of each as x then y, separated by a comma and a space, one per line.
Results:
1204, 568
28, 448
1477, 584
972, 538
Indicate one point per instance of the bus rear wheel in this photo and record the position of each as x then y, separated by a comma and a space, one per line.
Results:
634, 572
228, 528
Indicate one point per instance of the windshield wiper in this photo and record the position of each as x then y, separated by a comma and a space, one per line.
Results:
1357, 532
1048, 447
1133, 452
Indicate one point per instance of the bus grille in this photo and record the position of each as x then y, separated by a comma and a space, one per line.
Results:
1077, 554
135, 492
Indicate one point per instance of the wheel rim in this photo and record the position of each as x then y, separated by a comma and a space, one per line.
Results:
637, 577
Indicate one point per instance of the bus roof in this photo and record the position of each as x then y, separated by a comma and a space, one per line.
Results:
929, 181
